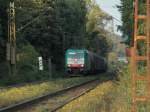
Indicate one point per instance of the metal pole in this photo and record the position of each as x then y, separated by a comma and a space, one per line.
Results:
11, 44
145, 77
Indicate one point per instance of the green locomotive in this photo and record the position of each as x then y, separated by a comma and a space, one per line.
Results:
84, 61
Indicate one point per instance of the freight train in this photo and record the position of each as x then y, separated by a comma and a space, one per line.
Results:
84, 61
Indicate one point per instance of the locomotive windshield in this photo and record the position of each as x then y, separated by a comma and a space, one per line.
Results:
75, 58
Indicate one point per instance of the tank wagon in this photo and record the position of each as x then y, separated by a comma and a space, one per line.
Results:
84, 61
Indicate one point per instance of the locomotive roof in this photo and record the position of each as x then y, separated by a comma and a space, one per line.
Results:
83, 50
77, 50
87, 51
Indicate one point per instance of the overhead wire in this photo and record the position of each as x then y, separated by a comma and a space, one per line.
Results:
43, 12
116, 19
33, 20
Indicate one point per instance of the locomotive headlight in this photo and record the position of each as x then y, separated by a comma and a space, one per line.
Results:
75, 60
69, 65
82, 65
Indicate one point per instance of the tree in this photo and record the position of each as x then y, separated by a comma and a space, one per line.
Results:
3, 28
48, 28
127, 11
97, 38
72, 15
60, 26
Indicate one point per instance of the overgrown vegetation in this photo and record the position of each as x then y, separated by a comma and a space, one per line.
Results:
121, 95
110, 96
91, 102
17, 94
59, 25
127, 11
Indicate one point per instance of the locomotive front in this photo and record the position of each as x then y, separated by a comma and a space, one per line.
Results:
75, 61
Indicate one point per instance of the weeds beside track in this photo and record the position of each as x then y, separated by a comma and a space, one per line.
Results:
18, 94
14, 108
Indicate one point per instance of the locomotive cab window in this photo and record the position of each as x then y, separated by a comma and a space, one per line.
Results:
75, 58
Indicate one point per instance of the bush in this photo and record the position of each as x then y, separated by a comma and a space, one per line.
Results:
27, 68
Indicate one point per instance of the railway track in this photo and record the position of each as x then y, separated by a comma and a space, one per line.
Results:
29, 103
55, 109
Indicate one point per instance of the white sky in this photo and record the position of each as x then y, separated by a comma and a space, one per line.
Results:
109, 6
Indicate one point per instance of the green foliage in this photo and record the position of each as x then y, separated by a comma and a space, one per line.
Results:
27, 65
1, 42
97, 38
72, 16
3, 36
3, 28
0, 29
59, 25
112, 63
122, 92
29, 91
127, 11
94, 101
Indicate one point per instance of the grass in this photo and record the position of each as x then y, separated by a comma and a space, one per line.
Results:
122, 93
111, 96
123, 101
91, 102
47, 106
14, 95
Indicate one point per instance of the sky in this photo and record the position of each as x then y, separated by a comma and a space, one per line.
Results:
109, 7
